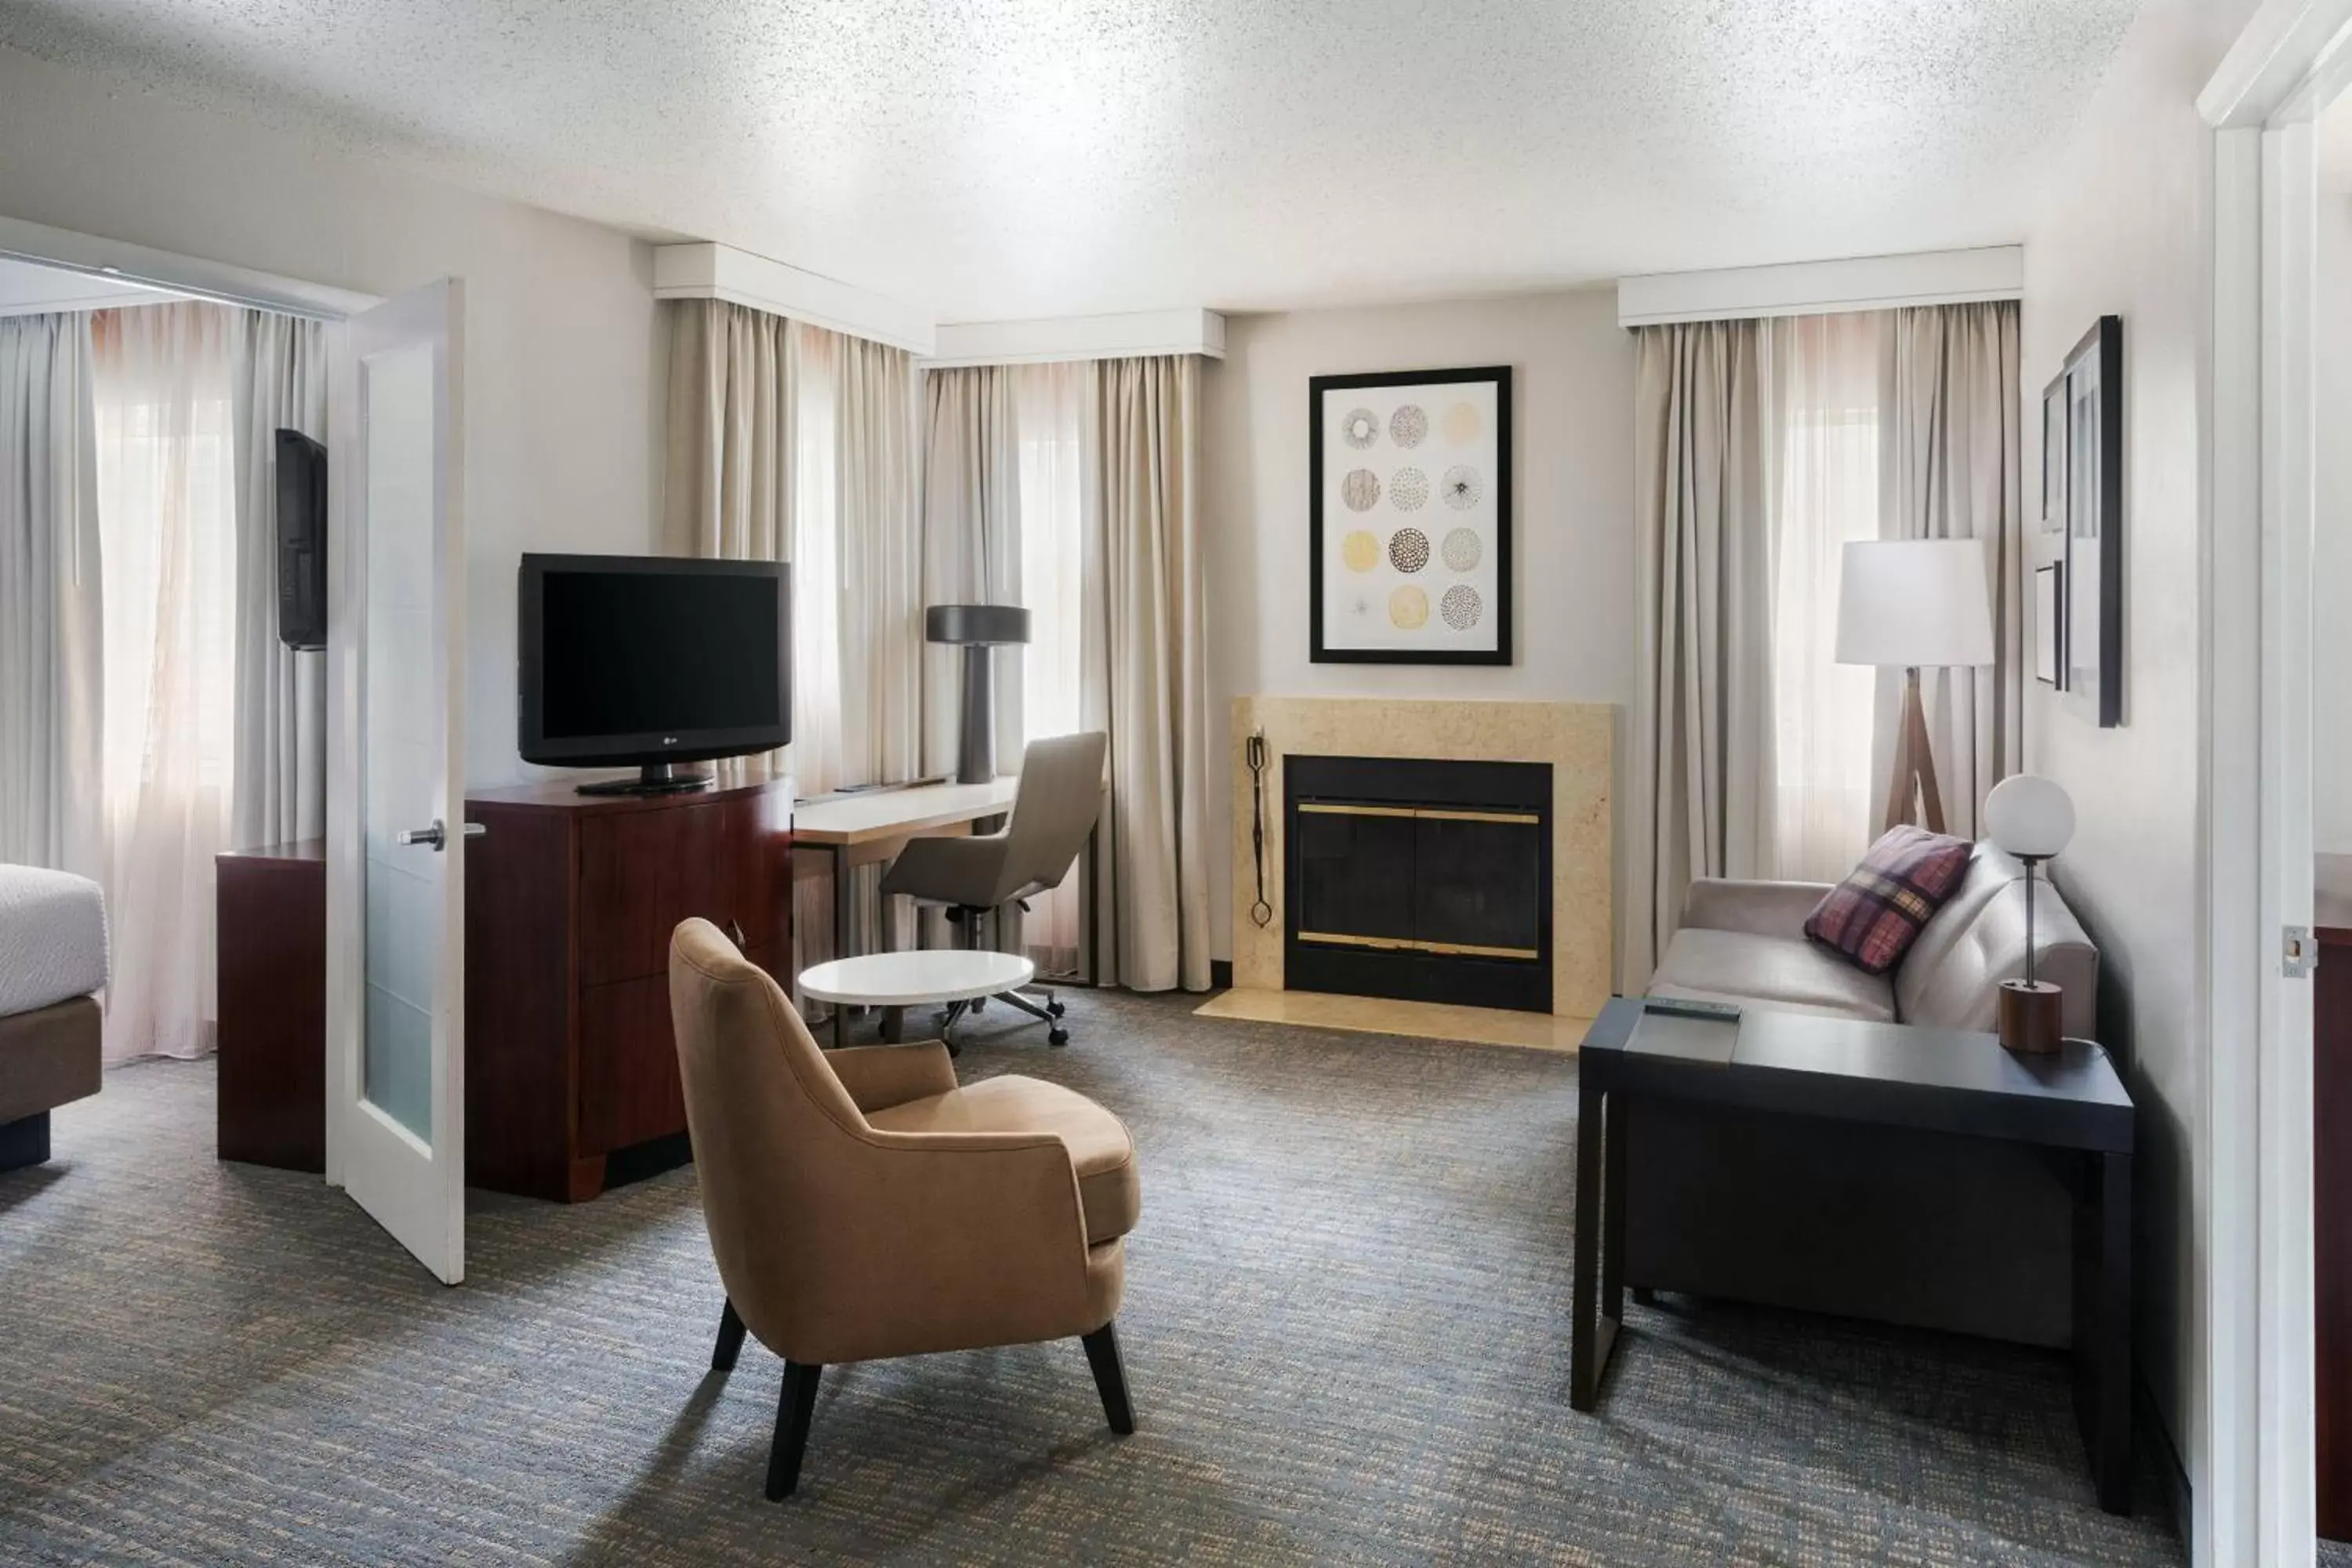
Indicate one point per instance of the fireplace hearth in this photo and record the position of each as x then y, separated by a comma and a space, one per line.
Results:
1419, 879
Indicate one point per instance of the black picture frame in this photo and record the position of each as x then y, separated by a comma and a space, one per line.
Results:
2093, 580
1504, 652
2049, 624
2053, 455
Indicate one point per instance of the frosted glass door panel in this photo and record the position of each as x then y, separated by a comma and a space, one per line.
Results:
403, 734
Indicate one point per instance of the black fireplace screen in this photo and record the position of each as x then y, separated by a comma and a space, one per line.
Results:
1419, 879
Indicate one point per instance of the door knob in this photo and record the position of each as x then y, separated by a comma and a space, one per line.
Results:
434, 835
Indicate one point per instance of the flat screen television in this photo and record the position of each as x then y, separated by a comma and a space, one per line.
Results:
652, 661
302, 541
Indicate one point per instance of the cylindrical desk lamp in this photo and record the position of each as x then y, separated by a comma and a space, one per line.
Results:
979, 629
2032, 818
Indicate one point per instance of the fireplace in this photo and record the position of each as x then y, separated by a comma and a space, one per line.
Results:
1419, 879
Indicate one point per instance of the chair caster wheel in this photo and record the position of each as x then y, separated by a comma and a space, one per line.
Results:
1057, 1038
1057, 1008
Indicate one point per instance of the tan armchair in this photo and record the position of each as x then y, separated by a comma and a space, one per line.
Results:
861, 1205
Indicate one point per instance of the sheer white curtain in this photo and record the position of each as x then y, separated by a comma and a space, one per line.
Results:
1824, 426
1049, 403
817, 750
51, 614
167, 520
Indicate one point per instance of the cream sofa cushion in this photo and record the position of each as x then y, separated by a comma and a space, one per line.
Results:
1775, 972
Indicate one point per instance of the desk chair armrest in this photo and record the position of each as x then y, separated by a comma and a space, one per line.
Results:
880, 1077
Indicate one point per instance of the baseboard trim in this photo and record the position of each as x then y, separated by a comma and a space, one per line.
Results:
2161, 1460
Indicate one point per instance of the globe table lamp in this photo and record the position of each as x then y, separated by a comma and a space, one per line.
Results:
2032, 818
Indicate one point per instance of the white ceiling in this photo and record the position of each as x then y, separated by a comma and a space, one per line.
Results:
29, 289
1004, 158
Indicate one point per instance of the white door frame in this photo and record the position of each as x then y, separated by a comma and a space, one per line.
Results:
2254, 1471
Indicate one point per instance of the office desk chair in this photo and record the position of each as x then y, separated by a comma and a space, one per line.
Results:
1059, 799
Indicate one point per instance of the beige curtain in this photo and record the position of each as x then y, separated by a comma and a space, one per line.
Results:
787, 442
1700, 772
881, 664
1146, 679
730, 463
51, 607
1950, 468
972, 545
279, 369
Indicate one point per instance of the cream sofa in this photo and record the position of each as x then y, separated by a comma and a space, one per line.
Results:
1942, 1232
1745, 943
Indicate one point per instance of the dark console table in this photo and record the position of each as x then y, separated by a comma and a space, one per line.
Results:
271, 980
1941, 1081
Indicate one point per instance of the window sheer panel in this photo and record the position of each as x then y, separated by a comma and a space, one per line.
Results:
167, 524
1049, 407
1825, 381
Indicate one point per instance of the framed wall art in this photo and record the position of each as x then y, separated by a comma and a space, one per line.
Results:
2050, 624
2094, 581
2053, 457
1408, 517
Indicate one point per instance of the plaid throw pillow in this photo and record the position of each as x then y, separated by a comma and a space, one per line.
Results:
1871, 918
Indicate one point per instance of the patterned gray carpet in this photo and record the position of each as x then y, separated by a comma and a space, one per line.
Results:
1346, 1328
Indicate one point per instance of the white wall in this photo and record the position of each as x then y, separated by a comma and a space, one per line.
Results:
1572, 478
2125, 232
563, 349
2331, 733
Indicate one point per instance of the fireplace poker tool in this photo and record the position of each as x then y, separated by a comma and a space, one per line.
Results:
1254, 752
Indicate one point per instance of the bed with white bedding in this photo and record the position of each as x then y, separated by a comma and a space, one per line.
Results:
53, 962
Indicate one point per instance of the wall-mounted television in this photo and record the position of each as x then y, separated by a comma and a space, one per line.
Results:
302, 541
651, 661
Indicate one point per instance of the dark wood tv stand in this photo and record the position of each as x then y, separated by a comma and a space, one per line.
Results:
570, 903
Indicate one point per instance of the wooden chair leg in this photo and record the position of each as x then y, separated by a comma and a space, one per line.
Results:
794, 1406
731, 1341
1110, 1378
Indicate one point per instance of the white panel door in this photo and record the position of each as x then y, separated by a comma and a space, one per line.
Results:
396, 842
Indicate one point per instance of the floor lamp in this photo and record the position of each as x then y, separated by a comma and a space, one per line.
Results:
1909, 604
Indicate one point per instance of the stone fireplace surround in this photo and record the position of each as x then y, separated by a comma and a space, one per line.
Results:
1575, 739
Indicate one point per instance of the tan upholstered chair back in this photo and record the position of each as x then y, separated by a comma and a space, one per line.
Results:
774, 1132
1061, 795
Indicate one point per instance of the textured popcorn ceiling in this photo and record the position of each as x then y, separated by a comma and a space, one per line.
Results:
1005, 158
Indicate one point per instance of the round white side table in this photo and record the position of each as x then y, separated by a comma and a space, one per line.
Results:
958, 976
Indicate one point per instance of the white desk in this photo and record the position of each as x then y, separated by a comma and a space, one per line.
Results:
867, 816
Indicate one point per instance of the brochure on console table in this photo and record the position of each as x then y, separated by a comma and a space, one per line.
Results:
1694, 1036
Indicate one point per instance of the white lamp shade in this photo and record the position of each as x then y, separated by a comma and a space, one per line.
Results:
1908, 602
2031, 817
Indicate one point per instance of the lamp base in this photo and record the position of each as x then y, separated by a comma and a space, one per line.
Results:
1912, 785
2030, 1017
